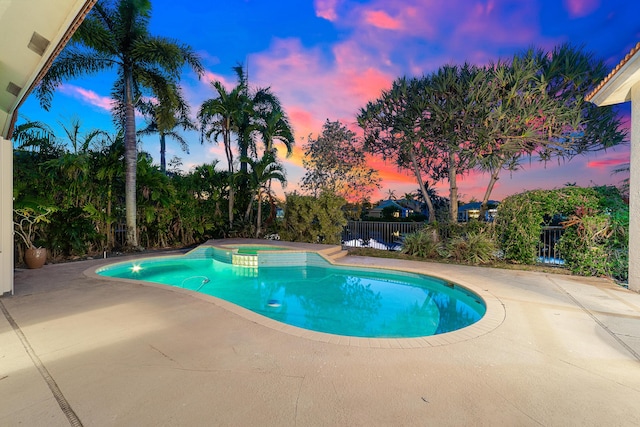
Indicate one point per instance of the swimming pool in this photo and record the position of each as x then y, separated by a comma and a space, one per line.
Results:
318, 296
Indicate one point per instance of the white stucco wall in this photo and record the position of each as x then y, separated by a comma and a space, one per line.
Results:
6, 216
634, 192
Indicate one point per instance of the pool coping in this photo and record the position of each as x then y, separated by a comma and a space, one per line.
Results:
494, 314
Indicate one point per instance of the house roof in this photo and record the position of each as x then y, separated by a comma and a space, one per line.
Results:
616, 87
390, 203
32, 33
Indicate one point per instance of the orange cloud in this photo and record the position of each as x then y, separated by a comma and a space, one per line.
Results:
381, 19
314, 86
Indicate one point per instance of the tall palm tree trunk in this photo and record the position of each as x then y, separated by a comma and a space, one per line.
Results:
163, 147
229, 153
259, 216
131, 161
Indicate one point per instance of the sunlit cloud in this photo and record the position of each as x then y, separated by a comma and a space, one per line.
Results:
609, 163
314, 86
580, 8
381, 19
88, 96
326, 9
208, 77
381, 40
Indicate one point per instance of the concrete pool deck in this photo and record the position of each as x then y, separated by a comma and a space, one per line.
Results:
76, 348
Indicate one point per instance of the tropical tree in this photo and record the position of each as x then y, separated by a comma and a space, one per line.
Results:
262, 173
393, 127
246, 116
109, 179
336, 162
115, 35
75, 164
456, 104
163, 119
536, 107
271, 122
35, 136
221, 117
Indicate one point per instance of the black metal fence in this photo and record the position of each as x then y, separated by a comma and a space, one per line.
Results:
548, 253
378, 235
388, 236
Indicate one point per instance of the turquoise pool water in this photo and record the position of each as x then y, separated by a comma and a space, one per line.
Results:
355, 302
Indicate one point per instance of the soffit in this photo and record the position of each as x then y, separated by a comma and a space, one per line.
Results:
616, 87
32, 32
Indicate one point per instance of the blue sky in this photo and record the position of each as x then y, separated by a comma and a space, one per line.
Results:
326, 58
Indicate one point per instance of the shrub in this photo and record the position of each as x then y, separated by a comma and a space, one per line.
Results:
521, 217
313, 220
473, 247
72, 233
596, 228
470, 243
423, 243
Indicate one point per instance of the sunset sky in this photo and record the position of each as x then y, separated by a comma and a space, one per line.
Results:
326, 59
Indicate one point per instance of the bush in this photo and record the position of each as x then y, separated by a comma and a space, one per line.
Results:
596, 228
72, 233
423, 243
470, 243
472, 248
313, 220
521, 217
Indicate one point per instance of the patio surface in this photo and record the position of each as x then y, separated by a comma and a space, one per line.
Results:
77, 349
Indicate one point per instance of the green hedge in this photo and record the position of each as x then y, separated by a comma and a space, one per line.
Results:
313, 219
596, 222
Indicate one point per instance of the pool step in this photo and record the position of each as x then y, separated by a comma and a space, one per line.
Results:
335, 253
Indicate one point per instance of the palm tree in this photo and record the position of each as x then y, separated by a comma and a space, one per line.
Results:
391, 194
262, 172
115, 35
35, 135
163, 119
74, 166
224, 116
272, 123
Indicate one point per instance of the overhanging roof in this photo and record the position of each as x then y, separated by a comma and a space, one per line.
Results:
616, 87
32, 33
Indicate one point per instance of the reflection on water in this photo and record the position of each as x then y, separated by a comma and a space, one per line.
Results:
354, 302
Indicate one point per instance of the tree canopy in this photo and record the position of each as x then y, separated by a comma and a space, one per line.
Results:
460, 118
115, 35
336, 162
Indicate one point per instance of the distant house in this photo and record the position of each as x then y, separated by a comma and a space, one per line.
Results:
472, 211
401, 211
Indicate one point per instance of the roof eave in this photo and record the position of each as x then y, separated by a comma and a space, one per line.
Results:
36, 75
616, 87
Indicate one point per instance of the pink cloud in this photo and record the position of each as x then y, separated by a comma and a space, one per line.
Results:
209, 77
88, 96
381, 19
314, 87
326, 9
580, 8
609, 163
